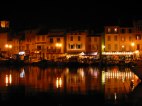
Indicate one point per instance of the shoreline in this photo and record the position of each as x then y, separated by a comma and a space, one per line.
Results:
46, 63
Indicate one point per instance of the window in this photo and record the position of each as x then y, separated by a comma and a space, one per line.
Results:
108, 30
71, 38
115, 29
72, 46
138, 37
38, 47
51, 40
78, 38
122, 30
109, 38
78, 46
115, 38
58, 39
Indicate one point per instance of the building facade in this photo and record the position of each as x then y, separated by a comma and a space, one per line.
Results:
119, 43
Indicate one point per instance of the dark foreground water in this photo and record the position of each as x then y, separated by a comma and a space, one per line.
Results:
69, 86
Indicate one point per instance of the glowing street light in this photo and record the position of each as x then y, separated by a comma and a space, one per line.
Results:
58, 45
132, 44
8, 46
103, 47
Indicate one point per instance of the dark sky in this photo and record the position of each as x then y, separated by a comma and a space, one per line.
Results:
95, 15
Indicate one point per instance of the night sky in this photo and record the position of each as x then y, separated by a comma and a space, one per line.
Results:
96, 16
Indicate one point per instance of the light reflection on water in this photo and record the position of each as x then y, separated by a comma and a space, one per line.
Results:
113, 82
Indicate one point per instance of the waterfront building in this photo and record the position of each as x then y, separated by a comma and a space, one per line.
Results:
93, 46
55, 44
76, 43
5, 46
116, 43
119, 43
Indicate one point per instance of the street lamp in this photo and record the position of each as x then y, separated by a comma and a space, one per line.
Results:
58, 45
103, 47
133, 44
123, 47
8, 46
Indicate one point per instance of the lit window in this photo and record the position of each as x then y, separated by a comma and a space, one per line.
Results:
4, 24
115, 29
108, 29
138, 37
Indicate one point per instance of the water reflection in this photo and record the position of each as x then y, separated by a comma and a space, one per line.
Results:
8, 79
113, 82
118, 83
58, 82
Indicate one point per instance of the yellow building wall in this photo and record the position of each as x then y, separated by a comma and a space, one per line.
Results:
82, 42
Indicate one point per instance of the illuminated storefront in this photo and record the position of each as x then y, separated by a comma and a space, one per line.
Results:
118, 55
